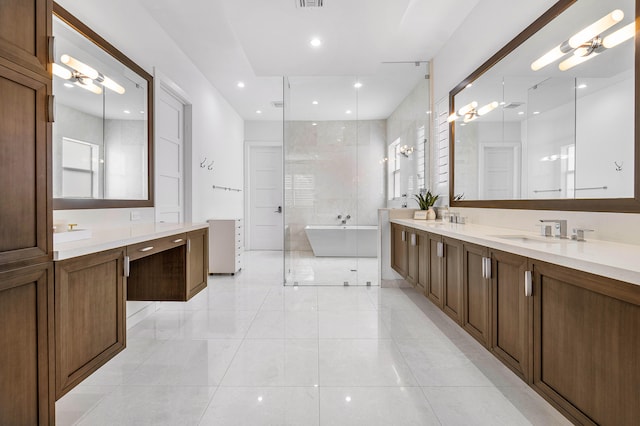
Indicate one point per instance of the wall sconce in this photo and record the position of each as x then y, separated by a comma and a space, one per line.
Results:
406, 150
470, 113
588, 43
84, 76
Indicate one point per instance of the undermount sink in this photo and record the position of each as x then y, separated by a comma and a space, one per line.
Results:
527, 239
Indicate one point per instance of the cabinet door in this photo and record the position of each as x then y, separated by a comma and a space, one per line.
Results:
436, 255
510, 312
475, 318
89, 315
26, 363
399, 249
587, 344
412, 256
452, 279
197, 255
25, 211
24, 27
423, 262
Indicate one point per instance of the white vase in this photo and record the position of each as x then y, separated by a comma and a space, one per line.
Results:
431, 214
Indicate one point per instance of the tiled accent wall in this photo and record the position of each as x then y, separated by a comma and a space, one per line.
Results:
332, 168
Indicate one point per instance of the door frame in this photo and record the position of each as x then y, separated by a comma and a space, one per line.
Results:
248, 146
162, 82
516, 148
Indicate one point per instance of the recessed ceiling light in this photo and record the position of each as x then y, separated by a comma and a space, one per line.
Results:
315, 102
582, 86
348, 399
141, 112
521, 113
316, 42
463, 124
126, 111
503, 103
314, 124
536, 112
469, 85
69, 85
241, 84
258, 112
348, 111
259, 399
357, 85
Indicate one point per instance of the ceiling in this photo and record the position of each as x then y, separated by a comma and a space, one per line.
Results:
258, 42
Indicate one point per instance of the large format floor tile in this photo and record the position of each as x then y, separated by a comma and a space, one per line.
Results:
255, 406
248, 351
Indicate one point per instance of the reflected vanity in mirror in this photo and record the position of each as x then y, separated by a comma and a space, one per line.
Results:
549, 121
102, 133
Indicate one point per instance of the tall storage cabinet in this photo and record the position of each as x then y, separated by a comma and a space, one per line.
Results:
26, 274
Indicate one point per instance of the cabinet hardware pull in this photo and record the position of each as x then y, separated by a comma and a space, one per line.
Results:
404, 236
146, 249
179, 240
440, 249
188, 245
51, 109
413, 239
127, 266
528, 284
488, 267
484, 267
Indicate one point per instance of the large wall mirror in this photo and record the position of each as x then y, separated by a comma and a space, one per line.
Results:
549, 122
102, 133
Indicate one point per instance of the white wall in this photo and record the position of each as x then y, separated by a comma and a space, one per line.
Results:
495, 23
217, 129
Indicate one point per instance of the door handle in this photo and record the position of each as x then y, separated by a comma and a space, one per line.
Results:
484, 267
279, 210
487, 268
413, 239
440, 250
528, 283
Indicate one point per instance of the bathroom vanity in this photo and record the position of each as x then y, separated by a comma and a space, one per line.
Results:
563, 315
95, 277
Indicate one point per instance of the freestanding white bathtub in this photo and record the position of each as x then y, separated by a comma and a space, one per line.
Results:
343, 240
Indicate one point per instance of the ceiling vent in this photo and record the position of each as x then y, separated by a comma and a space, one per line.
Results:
513, 105
309, 3
277, 104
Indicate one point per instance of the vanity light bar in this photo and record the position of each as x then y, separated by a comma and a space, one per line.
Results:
61, 72
574, 60
87, 83
90, 72
577, 41
462, 111
620, 36
487, 108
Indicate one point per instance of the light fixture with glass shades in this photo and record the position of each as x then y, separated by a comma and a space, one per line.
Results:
84, 76
588, 43
471, 111
406, 150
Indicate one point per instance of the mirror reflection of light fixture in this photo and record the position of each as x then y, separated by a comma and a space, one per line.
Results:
85, 75
587, 43
406, 150
470, 113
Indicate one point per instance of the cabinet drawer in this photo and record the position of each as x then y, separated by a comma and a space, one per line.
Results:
147, 248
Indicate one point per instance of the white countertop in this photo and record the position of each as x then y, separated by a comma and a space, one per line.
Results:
613, 260
109, 238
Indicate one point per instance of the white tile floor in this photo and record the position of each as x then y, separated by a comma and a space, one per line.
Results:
306, 269
247, 351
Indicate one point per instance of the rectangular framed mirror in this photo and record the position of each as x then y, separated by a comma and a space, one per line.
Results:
549, 122
103, 128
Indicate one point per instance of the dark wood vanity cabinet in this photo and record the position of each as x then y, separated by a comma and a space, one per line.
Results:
586, 345
90, 315
434, 264
399, 249
452, 279
26, 270
476, 292
26, 364
510, 312
197, 261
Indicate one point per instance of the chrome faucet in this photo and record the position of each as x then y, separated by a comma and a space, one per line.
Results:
559, 227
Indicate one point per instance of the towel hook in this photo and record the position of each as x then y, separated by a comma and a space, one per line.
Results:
618, 166
202, 164
210, 166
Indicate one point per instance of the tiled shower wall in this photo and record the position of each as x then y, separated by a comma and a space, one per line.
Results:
332, 168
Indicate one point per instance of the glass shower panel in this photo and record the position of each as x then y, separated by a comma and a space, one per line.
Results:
320, 181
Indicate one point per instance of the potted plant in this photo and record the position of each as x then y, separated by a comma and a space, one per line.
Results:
426, 202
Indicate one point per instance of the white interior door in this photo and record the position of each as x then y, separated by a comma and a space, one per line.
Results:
499, 172
169, 172
265, 198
